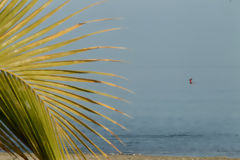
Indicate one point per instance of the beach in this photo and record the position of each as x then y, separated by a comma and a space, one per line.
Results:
144, 157
5, 156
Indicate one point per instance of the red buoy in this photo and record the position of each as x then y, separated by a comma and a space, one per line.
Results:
190, 81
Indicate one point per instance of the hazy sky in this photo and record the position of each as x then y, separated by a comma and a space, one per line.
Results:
168, 32
173, 32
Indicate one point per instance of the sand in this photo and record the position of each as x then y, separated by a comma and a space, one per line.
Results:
5, 156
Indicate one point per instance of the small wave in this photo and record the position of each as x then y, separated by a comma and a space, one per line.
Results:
158, 136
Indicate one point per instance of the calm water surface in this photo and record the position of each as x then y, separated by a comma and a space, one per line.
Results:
172, 117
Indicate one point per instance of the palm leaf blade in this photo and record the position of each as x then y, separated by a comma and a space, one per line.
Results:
26, 107
39, 110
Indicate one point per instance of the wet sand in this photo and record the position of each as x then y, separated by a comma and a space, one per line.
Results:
5, 156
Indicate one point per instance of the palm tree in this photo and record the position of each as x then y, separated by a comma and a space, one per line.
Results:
38, 106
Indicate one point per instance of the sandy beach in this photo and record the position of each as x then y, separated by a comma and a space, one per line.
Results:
5, 156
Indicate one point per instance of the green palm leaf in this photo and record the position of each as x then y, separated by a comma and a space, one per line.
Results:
38, 109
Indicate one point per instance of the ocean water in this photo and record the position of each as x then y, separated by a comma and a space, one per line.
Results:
168, 41
172, 117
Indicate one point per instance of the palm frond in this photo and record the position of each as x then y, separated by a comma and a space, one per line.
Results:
38, 108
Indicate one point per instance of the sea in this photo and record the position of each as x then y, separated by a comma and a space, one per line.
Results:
168, 42
170, 116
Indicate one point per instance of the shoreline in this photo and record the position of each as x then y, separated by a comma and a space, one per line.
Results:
6, 156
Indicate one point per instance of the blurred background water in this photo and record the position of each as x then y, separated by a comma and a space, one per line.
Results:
169, 41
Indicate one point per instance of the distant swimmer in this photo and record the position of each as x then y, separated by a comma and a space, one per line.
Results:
190, 81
